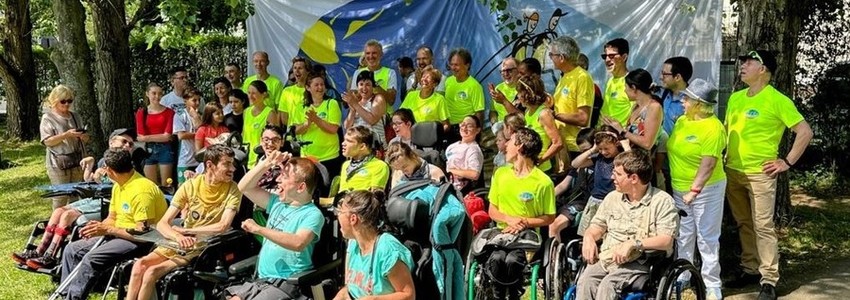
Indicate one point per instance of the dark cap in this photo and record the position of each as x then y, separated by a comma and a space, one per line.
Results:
366, 75
405, 62
765, 57
123, 131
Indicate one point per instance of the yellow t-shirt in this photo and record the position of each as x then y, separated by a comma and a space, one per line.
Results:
755, 126
510, 94
532, 121
252, 130
429, 109
616, 103
274, 85
374, 174
325, 145
574, 90
204, 204
463, 98
137, 200
291, 96
688, 144
528, 197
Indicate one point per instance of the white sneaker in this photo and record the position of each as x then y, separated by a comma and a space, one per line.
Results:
713, 294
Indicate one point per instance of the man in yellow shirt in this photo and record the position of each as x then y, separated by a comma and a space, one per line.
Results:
504, 94
756, 118
136, 204
464, 95
293, 96
385, 77
362, 170
209, 203
616, 103
573, 98
275, 86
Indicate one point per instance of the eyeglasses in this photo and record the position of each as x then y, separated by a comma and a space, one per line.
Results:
666, 74
610, 55
555, 54
127, 142
181, 77
397, 123
467, 125
508, 70
272, 140
66, 101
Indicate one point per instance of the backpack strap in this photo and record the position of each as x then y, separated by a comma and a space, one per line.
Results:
409, 186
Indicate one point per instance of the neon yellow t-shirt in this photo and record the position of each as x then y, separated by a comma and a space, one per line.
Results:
510, 94
137, 200
292, 95
755, 126
688, 144
252, 131
205, 204
374, 174
274, 85
532, 121
528, 197
574, 90
616, 103
384, 78
463, 98
325, 145
429, 109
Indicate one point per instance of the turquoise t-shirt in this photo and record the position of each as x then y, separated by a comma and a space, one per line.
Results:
276, 261
363, 269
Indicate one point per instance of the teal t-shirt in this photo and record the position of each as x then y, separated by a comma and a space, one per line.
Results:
276, 261
368, 274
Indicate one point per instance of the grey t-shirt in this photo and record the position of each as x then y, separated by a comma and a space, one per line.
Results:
53, 124
183, 123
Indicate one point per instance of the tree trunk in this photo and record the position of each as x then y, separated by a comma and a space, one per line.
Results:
17, 70
774, 25
73, 59
112, 64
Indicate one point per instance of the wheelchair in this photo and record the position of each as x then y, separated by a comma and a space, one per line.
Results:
480, 280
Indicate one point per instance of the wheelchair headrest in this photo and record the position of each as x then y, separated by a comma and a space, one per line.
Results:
425, 134
406, 214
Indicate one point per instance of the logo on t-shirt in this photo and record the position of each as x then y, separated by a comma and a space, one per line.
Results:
196, 215
363, 172
526, 196
691, 139
614, 94
426, 110
125, 207
752, 114
322, 115
565, 91
461, 95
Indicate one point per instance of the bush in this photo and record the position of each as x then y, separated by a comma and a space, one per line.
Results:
822, 182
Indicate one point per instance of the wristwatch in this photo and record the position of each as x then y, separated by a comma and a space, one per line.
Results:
638, 245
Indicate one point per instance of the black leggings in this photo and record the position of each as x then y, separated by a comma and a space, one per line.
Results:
502, 267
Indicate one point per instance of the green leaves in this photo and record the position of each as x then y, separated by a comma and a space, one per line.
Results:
181, 20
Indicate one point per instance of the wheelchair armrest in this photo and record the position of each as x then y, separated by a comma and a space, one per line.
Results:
243, 266
226, 236
314, 276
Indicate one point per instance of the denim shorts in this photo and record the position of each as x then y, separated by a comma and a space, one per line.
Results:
89, 208
160, 154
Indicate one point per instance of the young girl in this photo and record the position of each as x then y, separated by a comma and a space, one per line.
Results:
501, 140
154, 128
601, 158
211, 127
234, 120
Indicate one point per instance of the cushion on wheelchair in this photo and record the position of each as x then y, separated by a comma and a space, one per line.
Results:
406, 214
493, 238
243, 266
658, 262
425, 134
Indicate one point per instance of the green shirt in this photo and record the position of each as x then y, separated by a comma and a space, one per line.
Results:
463, 98
290, 97
373, 174
252, 130
429, 109
272, 83
510, 94
532, 121
325, 145
688, 144
616, 103
528, 197
574, 91
755, 126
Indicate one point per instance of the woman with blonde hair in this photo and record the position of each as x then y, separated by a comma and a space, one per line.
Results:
64, 136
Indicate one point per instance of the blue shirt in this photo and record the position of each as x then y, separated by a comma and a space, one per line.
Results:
368, 274
603, 168
276, 261
673, 108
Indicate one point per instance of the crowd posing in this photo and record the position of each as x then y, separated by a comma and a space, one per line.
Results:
626, 157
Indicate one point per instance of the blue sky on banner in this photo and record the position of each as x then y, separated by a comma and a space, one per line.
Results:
333, 33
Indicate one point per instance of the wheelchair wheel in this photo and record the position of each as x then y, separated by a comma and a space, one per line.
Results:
556, 282
670, 287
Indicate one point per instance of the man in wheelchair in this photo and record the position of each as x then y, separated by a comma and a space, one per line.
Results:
635, 219
208, 203
136, 204
522, 197
293, 226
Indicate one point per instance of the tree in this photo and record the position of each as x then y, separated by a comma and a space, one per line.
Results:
17, 69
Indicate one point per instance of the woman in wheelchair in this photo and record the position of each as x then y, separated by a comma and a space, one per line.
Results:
209, 202
522, 197
378, 265
408, 166
635, 218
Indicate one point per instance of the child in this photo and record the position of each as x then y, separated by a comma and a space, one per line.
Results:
501, 140
601, 158
211, 127
571, 193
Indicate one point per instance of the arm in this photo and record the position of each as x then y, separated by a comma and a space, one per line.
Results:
564, 185
248, 184
578, 118
295, 242
221, 226
343, 292
402, 283
468, 174
107, 227
184, 135
274, 119
651, 127
548, 123
167, 231
352, 115
379, 108
804, 136
59, 138
588, 249
706, 166
583, 160
283, 118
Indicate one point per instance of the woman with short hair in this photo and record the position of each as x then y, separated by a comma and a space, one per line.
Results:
64, 136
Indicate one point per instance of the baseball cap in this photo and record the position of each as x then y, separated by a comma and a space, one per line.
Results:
765, 57
124, 131
702, 91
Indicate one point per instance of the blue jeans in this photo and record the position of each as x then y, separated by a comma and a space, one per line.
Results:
160, 154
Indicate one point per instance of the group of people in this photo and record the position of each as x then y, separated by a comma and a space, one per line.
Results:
635, 152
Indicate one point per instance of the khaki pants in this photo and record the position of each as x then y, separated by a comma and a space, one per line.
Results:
58, 176
752, 198
599, 283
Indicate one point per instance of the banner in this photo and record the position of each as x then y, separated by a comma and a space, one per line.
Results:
333, 33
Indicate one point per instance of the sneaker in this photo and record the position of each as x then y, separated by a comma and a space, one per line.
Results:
743, 280
22, 257
44, 262
768, 292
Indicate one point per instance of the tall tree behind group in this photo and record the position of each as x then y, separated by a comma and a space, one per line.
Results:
17, 69
775, 25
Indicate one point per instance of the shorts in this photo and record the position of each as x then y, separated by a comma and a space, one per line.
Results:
587, 215
160, 154
264, 289
89, 208
172, 255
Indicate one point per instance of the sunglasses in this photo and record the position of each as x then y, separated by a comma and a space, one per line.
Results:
66, 101
755, 54
610, 56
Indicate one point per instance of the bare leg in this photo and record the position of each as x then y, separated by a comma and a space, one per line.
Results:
48, 233
152, 274
165, 173
139, 269
65, 221
151, 172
